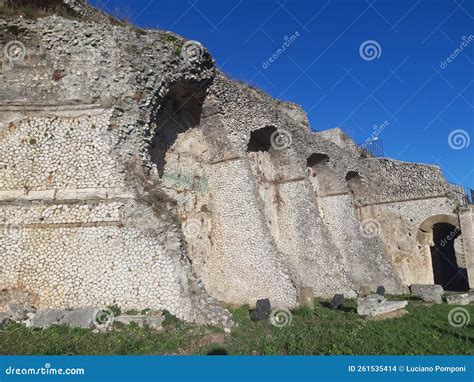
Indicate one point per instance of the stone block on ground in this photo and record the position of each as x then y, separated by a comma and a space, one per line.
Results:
154, 322
17, 311
46, 318
428, 292
471, 296
459, 299
80, 318
374, 305
306, 296
4, 318
337, 301
262, 310
395, 314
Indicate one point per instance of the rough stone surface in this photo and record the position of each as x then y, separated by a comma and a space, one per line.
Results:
429, 293
375, 304
135, 173
458, 299
17, 311
395, 314
81, 318
337, 301
363, 291
306, 296
154, 322
4, 317
262, 310
46, 318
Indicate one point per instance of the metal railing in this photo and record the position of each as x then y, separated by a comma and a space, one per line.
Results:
467, 194
372, 149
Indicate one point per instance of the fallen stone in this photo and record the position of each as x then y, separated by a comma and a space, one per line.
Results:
380, 290
46, 318
374, 305
154, 322
262, 310
363, 291
337, 301
4, 318
471, 296
428, 292
18, 312
306, 296
458, 299
395, 314
80, 318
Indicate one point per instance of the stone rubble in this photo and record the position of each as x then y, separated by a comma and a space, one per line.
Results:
429, 293
374, 305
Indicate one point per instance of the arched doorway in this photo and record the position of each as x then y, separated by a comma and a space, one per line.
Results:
438, 236
446, 270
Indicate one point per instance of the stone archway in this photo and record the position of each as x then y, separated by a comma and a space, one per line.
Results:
436, 240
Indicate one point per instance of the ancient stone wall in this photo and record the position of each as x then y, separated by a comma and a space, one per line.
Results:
131, 174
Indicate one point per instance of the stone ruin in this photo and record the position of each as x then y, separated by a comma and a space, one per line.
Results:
133, 172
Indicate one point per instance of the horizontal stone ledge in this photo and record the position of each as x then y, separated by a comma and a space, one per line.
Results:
65, 194
283, 181
19, 106
60, 225
226, 159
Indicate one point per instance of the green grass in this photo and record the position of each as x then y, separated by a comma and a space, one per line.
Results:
316, 330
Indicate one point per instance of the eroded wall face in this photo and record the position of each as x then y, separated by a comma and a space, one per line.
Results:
466, 218
71, 230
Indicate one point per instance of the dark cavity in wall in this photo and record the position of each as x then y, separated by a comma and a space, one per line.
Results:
446, 270
261, 139
180, 111
317, 161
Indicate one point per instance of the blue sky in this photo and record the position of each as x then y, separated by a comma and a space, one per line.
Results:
427, 101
